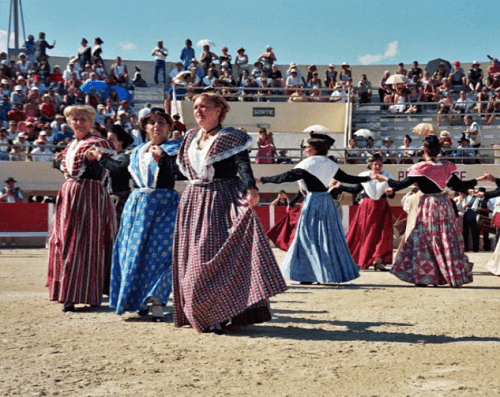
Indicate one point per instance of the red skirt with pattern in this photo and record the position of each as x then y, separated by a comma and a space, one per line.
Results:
433, 253
370, 235
223, 265
81, 243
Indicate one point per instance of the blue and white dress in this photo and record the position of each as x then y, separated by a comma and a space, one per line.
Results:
319, 251
142, 255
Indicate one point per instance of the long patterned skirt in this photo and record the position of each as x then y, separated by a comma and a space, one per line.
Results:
370, 235
319, 250
81, 242
433, 253
493, 265
142, 256
223, 265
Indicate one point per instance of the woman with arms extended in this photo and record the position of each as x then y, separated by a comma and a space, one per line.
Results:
142, 256
224, 268
84, 225
433, 253
370, 234
319, 252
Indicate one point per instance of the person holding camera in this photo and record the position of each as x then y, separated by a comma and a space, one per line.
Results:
10, 194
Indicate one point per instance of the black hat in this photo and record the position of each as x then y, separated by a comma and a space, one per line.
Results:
373, 158
122, 135
482, 189
10, 179
323, 137
99, 41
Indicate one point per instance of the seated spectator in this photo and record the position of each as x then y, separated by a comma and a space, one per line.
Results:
315, 81
483, 96
55, 126
263, 78
56, 77
119, 72
316, 95
99, 68
178, 67
293, 81
92, 98
5, 107
389, 154
338, 94
384, 89
100, 115
401, 70
257, 70
138, 81
293, 66
241, 61
416, 71
475, 77
23, 65
472, 132
445, 105
264, 93
445, 89
493, 70
225, 58
445, 140
4, 145
298, 96
407, 152
267, 58
178, 125
198, 70
209, 79
364, 90
47, 109
330, 76
12, 131
227, 79
276, 77
457, 75
430, 93
41, 152
23, 147
495, 83
370, 148
44, 70
442, 71
17, 97
283, 158
310, 70
122, 120
345, 73
464, 153
400, 99
463, 105
65, 134
352, 156
5, 89
493, 108
247, 93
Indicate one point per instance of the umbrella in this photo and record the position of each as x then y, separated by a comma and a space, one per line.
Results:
123, 93
433, 66
425, 129
316, 128
396, 79
204, 42
363, 133
100, 86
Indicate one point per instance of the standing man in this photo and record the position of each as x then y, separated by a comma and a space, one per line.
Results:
160, 53
187, 54
472, 132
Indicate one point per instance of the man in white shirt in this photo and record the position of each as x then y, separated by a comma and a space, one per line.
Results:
472, 132
179, 67
160, 53
463, 104
338, 95
41, 153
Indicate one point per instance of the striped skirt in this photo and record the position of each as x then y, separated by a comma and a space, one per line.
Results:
223, 265
433, 253
319, 250
81, 242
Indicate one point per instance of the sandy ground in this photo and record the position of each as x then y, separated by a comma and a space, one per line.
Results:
375, 336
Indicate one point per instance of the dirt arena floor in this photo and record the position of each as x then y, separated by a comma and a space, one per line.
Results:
375, 336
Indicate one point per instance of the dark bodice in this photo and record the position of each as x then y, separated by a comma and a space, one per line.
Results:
427, 186
118, 170
239, 164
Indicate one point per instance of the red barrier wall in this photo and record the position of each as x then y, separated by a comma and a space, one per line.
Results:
24, 217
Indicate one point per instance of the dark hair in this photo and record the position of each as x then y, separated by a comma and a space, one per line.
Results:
408, 137
320, 146
158, 111
432, 146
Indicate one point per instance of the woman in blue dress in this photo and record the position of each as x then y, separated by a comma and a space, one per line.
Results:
142, 256
319, 251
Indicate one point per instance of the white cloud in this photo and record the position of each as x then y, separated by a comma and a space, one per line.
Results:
391, 51
127, 46
3, 40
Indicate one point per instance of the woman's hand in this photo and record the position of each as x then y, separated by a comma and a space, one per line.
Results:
379, 177
389, 191
93, 154
486, 177
58, 156
252, 197
156, 152
334, 184
257, 180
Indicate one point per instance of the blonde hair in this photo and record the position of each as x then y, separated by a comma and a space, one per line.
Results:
88, 110
218, 101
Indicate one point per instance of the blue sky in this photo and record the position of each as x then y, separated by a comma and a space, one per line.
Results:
305, 31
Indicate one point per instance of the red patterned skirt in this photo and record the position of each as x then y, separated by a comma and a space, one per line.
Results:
370, 235
433, 253
223, 265
81, 243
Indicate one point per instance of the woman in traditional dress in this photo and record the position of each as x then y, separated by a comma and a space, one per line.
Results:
266, 147
370, 234
142, 256
84, 226
433, 253
224, 268
319, 252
